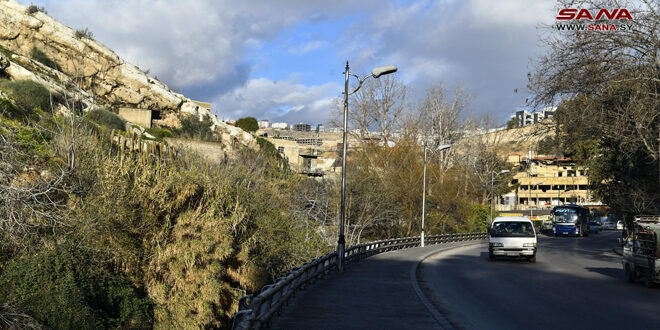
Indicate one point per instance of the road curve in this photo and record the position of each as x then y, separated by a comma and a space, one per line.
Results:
376, 293
575, 283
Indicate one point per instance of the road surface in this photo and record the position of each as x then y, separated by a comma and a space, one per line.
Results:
575, 283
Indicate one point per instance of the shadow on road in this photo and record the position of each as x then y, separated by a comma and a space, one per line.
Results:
616, 273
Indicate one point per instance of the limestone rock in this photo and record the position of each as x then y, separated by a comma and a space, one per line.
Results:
170, 120
91, 68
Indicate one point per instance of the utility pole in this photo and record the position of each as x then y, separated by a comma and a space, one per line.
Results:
492, 189
531, 214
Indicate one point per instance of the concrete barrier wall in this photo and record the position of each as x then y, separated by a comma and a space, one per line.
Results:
141, 117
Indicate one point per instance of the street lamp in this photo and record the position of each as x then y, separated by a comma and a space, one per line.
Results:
492, 188
531, 217
440, 148
376, 72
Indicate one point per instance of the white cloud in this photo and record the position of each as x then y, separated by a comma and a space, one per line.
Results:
187, 43
484, 45
279, 101
308, 47
510, 13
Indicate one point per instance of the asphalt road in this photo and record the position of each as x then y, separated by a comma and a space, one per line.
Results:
575, 283
375, 293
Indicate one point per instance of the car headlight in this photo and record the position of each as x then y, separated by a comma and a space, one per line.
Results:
529, 244
496, 244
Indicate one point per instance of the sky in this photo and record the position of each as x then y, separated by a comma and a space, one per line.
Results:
284, 60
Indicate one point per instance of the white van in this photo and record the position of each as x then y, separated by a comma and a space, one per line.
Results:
512, 237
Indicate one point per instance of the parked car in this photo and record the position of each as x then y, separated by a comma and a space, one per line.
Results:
609, 225
511, 236
619, 225
595, 227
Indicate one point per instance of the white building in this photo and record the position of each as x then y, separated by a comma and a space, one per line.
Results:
264, 124
526, 118
280, 125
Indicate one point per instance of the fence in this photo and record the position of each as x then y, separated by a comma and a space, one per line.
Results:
256, 311
146, 149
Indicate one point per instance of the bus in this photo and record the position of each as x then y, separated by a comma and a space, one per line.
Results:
570, 219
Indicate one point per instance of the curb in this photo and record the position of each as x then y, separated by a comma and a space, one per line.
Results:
441, 319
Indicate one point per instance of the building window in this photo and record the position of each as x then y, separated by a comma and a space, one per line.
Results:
280, 150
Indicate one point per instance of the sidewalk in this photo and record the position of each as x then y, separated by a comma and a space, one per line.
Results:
376, 293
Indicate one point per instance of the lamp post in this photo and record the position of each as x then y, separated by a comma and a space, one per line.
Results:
440, 148
531, 215
376, 72
567, 189
492, 188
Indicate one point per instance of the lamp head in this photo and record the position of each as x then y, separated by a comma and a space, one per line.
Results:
382, 70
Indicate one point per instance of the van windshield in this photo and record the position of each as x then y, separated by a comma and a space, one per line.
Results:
512, 229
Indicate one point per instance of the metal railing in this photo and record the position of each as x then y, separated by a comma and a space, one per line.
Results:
255, 312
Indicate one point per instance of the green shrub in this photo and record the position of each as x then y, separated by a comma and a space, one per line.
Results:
267, 147
27, 141
248, 124
192, 127
107, 118
41, 57
64, 289
27, 95
480, 218
32, 9
84, 33
159, 132
8, 109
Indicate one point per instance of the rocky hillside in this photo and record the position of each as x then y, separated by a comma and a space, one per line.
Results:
34, 46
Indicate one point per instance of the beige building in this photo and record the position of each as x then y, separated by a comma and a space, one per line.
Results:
546, 181
312, 153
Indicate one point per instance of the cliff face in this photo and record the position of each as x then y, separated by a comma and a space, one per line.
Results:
87, 67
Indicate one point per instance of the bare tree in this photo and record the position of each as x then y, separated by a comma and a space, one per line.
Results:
479, 157
440, 118
388, 99
32, 193
607, 84
376, 107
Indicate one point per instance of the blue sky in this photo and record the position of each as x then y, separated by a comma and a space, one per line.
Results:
283, 60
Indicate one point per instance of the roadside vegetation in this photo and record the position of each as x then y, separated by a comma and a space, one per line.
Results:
196, 128
107, 118
90, 238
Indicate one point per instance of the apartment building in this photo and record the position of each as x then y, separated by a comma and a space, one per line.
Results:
264, 123
543, 182
526, 118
